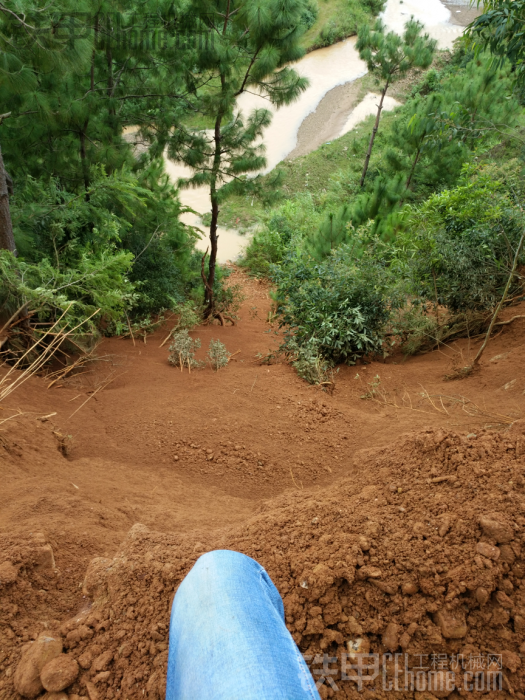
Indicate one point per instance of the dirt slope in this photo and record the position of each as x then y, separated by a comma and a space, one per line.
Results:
192, 457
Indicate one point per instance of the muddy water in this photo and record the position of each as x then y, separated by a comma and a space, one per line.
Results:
431, 13
365, 108
327, 70
231, 242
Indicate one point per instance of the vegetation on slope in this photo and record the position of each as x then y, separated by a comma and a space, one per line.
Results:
437, 223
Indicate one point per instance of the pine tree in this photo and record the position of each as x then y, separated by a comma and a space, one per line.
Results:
73, 75
479, 102
380, 207
389, 57
331, 233
248, 46
417, 147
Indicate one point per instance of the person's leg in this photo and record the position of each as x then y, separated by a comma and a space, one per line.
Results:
228, 639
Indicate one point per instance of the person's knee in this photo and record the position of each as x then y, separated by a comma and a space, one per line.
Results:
224, 560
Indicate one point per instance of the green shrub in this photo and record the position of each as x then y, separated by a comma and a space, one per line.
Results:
283, 229
309, 14
337, 308
266, 248
188, 316
125, 211
462, 242
228, 298
182, 350
309, 364
217, 356
374, 6
98, 282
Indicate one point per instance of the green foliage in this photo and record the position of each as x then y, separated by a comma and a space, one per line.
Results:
332, 232
418, 148
266, 248
389, 56
371, 214
188, 316
479, 103
309, 14
97, 284
415, 329
52, 221
421, 327
338, 19
337, 308
182, 350
228, 298
82, 192
218, 356
309, 364
283, 228
461, 242
500, 30
375, 6
420, 151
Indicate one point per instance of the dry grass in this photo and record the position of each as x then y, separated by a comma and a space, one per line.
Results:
453, 406
42, 350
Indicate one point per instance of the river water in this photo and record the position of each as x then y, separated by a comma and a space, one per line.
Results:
327, 69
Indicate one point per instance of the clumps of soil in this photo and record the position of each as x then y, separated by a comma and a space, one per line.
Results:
420, 551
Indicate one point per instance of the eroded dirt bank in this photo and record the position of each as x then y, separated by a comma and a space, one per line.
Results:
396, 519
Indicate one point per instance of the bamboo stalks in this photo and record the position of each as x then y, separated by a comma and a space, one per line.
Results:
7, 387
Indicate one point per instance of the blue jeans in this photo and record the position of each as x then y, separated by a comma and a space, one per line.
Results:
228, 640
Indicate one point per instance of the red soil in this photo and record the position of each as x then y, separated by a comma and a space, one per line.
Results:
253, 455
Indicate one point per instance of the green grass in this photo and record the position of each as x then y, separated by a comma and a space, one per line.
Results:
337, 20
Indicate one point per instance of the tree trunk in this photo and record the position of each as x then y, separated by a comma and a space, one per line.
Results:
109, 60
374, 132
502, 300
208, 291
83, 158
94, 54
416, 160
7, 240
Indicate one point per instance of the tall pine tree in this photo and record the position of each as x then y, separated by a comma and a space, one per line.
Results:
248, 46
389, 57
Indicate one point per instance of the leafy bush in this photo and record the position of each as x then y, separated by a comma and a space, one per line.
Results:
123, 212
228, 298
309, 364
99, 282
166, 268
418, 328
182, 350
217, 356
461, 242
266, 248
309, 14
188, 316
375, 6
283, 229
338, 308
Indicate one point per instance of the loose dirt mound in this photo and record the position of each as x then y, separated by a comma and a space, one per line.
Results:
421, 551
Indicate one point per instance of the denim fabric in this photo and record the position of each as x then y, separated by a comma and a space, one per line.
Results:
228, 640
